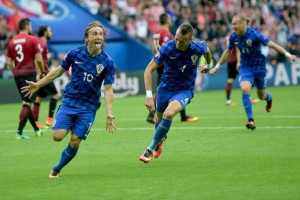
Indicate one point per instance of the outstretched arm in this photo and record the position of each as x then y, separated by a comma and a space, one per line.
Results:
223, 59
282, 51
33, 87
152, 66
109, 95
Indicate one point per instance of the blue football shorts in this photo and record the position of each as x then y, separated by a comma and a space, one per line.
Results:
256, 76
163, 98
75, 119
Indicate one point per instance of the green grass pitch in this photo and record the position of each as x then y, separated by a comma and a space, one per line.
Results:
214, 158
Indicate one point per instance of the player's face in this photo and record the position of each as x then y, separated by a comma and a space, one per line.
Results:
49, 33
238, 26
95, 37
182, 41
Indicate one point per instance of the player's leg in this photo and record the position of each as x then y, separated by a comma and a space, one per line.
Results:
66, 156
162, 129
231, 75
262, 93
36, 110
246, 80
186, 118
246, 88
23, 118
80, 128
25, 112
266, 95
162, 102
51, 90
52, 106
169, 108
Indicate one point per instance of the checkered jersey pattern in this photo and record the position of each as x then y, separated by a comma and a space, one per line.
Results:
88, 73
250, 47
180, 66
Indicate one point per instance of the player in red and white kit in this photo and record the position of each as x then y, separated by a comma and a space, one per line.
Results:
22, 51
44, 33
160, 38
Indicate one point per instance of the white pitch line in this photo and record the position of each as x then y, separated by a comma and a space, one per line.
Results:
200, 117
231, 117
178, 128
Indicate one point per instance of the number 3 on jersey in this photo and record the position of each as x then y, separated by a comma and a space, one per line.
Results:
20, 53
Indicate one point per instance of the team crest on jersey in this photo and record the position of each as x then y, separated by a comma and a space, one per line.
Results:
194, 58
249, 42
99, 68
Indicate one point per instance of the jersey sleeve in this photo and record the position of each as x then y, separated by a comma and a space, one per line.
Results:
110, 73
231, 42
162, 54
202, 47
37, 48
262, 38
66, 63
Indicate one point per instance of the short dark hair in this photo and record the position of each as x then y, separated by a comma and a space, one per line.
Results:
163, 18
41, 31
186, 28
23, 23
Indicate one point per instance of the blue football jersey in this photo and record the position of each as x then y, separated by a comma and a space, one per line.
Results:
88, 73
180, 66
250, 47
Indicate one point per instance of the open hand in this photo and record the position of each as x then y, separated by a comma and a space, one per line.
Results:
31, 88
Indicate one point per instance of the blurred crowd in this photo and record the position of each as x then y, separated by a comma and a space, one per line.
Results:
279, 20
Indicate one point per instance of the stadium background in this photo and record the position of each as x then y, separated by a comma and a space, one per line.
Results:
130, 47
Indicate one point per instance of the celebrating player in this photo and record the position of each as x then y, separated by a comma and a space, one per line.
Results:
81, 100
176, 89
159, 39
252, 69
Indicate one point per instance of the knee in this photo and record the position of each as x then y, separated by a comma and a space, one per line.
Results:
57, 136
168, 114
74, 143
245, 89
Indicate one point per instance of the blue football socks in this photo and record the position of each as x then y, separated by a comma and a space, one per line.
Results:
67, 155
161, 132
268, 97
247, 105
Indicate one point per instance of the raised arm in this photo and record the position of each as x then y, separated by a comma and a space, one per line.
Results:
281, 50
